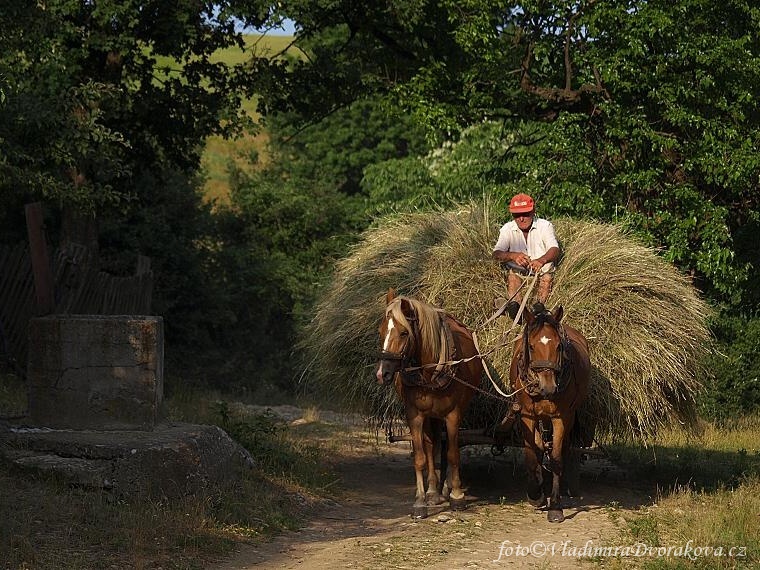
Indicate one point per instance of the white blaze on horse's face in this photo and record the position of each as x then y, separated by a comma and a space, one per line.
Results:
391, 326
545, 340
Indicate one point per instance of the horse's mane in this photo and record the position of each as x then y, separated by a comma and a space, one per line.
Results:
430, 326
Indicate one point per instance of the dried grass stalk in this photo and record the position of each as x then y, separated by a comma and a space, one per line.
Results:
645, 322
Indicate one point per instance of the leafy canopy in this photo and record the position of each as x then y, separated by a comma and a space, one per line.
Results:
644, 110
94, 93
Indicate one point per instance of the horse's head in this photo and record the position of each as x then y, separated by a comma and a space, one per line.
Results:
397, 334
544, 348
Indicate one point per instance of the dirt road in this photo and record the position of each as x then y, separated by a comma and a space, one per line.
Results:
370, 525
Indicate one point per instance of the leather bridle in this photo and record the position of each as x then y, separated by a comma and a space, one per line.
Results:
404, 356
529, 367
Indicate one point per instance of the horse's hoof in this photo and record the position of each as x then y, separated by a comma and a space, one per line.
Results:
458, 504
419, 512
555, 516
433, 499
539, 502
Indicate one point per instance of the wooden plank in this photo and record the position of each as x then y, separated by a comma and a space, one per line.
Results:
143, 264
11, 280
43, 278
6, 274
79, 288
21, 294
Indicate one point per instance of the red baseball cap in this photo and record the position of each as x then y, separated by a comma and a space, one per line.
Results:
521, 204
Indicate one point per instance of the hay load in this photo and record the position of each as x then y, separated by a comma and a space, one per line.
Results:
644, 321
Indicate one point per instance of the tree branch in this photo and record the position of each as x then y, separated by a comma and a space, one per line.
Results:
565, 98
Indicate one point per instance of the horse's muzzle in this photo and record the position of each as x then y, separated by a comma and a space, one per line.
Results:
390, 364
385, 372
544, 383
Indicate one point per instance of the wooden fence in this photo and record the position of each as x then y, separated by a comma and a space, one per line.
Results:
79, 288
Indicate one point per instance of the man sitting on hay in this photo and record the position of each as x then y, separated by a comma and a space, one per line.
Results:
527, 245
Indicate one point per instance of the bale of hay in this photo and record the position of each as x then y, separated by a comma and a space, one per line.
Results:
645, 322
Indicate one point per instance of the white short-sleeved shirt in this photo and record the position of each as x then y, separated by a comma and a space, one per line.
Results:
541, 239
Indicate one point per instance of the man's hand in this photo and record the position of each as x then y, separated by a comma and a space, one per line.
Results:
536, 265
522, 260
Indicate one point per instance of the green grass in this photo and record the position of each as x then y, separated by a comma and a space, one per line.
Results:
713, 529
44, 523
709, 496
261, 45
713, 457
247, 152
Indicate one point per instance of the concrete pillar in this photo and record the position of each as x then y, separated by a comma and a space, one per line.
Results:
96, 372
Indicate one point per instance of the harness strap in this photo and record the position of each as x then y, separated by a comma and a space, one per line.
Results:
488, 372
562, 368
500, 311
544, 365
442, 375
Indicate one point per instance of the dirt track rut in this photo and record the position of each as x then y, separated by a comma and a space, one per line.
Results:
370, 527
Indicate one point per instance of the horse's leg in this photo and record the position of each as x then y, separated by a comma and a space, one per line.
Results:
531, 437
415, 428
457, 499
432, 445
559, 428
571, 465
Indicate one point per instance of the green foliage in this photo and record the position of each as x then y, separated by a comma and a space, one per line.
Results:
337, 149
641, 111
546, 161
274, 451
105, 110
274, 251
87, 107
287, 224
171, 225
734, 389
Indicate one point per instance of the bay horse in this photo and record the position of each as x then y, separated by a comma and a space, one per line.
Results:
432, 361
550, 368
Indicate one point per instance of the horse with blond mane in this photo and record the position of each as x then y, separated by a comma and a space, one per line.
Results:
433, 363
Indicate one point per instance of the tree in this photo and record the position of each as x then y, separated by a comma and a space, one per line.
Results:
289, 220
645, 109
95, 93
105, 110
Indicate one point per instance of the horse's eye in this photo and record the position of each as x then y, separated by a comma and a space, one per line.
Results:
405, 334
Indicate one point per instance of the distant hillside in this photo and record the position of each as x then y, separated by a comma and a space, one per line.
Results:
220, 153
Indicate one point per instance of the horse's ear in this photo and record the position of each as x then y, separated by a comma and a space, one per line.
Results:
528, 316
406, 307
390, 295
558, 313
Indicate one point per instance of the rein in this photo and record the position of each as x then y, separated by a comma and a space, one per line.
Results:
449, 364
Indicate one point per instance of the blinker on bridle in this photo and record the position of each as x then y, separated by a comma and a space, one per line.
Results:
402, 356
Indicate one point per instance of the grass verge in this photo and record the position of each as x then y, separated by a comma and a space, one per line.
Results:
707, 512
47, 524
